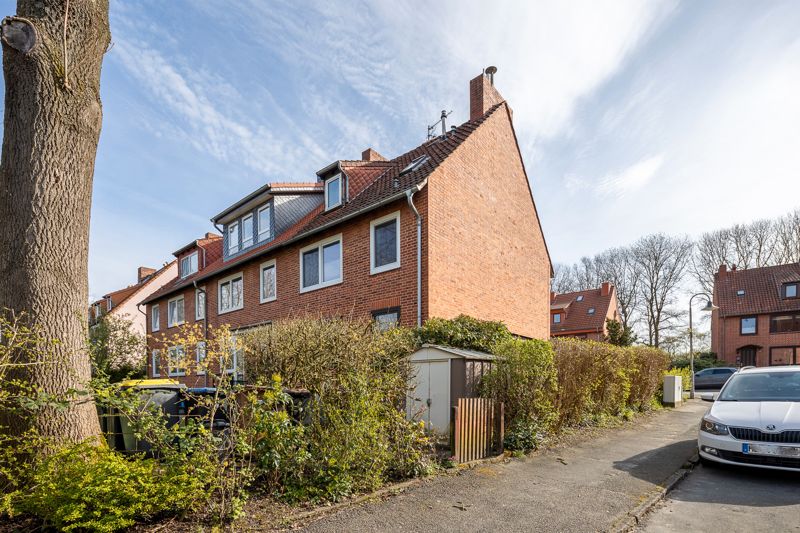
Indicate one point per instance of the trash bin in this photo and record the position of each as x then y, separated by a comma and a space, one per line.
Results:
164, 393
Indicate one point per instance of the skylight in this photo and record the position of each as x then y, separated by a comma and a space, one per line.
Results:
414, 165
579, 298
740, 292
591, 311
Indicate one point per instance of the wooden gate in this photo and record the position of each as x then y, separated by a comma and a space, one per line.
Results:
478, 430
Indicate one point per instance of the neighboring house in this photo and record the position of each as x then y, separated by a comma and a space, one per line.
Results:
122, 303
758, 320
449, 227
583, 314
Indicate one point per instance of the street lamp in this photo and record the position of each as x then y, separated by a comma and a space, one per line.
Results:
706, 308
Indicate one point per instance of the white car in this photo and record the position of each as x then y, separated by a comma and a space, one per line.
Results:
755, 420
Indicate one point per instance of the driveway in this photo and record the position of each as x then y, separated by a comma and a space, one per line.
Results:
587, 486
730, 499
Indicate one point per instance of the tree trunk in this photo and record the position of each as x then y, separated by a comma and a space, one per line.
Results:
52, 54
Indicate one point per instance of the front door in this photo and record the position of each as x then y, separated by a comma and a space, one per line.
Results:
747, 356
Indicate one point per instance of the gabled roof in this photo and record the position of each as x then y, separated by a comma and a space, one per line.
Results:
381, 182
575, 315
120, 296
762, 290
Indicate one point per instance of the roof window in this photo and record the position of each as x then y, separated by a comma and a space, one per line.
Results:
415, 164
591, 311
579, 298
740, 292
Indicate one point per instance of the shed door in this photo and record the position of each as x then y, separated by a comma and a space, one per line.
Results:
431, 396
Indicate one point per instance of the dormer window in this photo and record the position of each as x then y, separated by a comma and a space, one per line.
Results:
233, 238
579, 298
109, 304
790, 290
333, 192
247, 231
557, 318
264, 223
189, 265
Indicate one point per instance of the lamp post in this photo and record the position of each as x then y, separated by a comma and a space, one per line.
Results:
707, 308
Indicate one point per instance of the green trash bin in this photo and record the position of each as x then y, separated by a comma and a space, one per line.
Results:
165, 393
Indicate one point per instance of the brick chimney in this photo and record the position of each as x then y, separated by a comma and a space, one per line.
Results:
605, 288
371, 155
143, 272
482, 94
552, 296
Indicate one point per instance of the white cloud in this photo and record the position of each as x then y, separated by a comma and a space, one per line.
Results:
632, 179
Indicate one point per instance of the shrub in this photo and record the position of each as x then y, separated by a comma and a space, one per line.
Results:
89, 487
648, 365
523, 377
523, 436
357, 437
464, 332
686, 376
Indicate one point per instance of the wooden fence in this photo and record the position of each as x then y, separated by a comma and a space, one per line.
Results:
479, 430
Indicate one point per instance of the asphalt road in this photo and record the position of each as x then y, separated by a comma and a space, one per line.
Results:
585, 486
722, 498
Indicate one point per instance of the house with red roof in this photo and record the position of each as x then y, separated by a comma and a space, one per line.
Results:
446, 228
123, 302
757, 322
583, 314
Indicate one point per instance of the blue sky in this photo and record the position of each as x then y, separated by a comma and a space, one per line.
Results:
633, 117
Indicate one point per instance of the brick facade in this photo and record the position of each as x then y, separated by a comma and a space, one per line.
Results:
483, 251
755, 293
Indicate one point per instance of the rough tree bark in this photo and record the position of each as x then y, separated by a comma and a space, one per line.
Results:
52, 54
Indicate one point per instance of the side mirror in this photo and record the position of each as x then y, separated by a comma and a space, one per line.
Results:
708, 396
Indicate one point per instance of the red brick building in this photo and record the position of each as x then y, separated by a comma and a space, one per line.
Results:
583, 314
758, 320
449, 227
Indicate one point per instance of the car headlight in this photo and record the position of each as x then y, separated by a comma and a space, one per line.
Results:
715, 428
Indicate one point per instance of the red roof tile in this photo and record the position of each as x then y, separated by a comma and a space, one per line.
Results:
380, 182
575, 315
762, 290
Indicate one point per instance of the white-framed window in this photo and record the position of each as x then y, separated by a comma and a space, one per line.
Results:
200, 303
384, 243
557, 318
200, 358
155, 362
268, 281
264, 223
230, 296
233, 237
97, 311
386, 319
231, 366
189, 265
333, 192
175, 315
321, 264
177, 361
155, 318
109, 304
247, 231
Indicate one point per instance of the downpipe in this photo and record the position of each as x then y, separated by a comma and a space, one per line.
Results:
410, 198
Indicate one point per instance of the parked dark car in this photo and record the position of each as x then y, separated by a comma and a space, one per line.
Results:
713, 378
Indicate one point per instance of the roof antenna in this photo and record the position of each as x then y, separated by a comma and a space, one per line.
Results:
490, 71
443, 121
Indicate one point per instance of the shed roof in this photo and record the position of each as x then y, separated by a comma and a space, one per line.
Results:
461, 352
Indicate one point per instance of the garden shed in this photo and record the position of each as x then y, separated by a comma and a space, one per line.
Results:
440, 375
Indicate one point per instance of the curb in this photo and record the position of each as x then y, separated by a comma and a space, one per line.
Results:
633, 518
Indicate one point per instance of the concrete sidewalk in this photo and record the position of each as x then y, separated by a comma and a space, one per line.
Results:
585, 487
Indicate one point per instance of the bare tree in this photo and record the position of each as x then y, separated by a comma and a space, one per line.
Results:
618, 266
787, 238
52, 54
563, 279
763, 236
662, 261
711, 250
587, 274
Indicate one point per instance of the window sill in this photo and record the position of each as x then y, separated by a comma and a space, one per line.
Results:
320, 286
170, 326
220, 312
177, 374
784, 332
268, 300
384, 268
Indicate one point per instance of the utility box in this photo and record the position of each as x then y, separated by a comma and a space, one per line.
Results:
673, 391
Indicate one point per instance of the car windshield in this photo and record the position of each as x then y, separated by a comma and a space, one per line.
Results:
762, 387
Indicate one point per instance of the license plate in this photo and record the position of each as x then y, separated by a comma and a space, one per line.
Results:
771, 449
